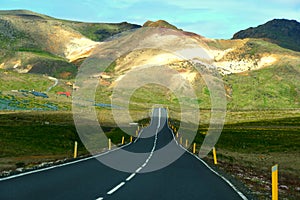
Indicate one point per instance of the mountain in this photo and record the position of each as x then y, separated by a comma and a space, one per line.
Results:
36, 43
159, 23
285, 33
257, 73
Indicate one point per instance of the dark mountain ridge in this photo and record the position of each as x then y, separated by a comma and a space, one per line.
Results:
283, 32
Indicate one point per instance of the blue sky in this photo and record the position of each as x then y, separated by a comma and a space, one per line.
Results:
212, 18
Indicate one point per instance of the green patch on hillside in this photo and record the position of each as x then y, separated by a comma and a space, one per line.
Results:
100, 31
41, 53
15, 81
275, 87
16, 92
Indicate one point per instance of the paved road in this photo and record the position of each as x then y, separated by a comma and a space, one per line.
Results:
186, 178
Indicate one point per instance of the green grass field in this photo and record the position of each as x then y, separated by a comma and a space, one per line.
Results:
32, 137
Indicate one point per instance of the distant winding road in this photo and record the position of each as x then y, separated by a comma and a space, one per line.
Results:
186, 178
55, 83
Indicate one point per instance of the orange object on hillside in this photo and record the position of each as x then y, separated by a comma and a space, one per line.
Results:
68, 94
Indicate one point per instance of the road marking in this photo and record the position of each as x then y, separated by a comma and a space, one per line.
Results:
197, 157
139, 169
63, 164
138, 137
154, 143
144, 164
222, 177
116, 188
130, 177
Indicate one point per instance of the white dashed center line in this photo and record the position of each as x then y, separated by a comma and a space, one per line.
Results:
130, 177
143, 165
116, 188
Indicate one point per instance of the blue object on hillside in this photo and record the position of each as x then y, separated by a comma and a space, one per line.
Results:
52, 107
39, 94
103, 105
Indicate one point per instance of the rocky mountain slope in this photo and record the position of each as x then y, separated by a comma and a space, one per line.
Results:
285, 33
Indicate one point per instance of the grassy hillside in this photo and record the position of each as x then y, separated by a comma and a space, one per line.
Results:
100, 31
16, 92
271, 87
47, 41
275, 87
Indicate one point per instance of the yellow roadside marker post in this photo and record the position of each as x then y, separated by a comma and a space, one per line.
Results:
177, 135
186, 143
75, 150
215, 156
136, 132
275, 182
194, 148
130, 138
123, 139
180, 140
109, 144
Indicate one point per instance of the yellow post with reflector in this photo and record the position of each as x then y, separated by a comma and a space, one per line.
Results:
75, 150
130, 138
275, 182
177, 135
186, 143
215, 156
109, 144
123, 139
194, 148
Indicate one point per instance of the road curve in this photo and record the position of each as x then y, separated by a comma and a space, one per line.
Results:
186, 178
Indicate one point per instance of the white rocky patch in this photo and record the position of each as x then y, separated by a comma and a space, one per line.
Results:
79, 48
235, 66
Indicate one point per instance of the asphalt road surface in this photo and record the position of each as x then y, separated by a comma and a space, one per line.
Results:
186, 178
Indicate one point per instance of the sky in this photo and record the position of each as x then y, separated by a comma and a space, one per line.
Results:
210, 18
